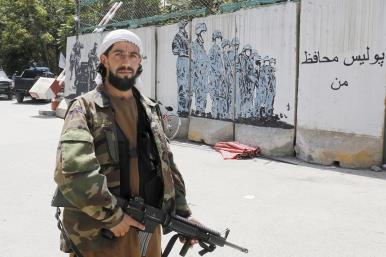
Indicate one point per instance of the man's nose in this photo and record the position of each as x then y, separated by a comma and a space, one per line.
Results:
126, 62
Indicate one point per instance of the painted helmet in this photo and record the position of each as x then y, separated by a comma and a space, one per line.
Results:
235, 41
247, 47
182, 24
200, 27
255, 56
266, 59
216, 34
225, 43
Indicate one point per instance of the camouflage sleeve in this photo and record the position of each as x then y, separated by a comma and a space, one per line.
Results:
77, 170
182, 207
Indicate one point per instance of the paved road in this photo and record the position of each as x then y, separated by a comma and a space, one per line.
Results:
273, 208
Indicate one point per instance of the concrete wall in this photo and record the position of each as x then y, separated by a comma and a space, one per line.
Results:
212, 79
342, 80
81, 61
244, 76
173, 70
249, 78
266, 92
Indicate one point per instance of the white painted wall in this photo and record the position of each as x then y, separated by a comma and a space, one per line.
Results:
271, 30
167, 88
146, 82
342, 29
87, 40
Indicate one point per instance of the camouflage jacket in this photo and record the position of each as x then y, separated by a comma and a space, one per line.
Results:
87, 169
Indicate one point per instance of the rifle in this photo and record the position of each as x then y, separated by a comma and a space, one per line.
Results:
151, 217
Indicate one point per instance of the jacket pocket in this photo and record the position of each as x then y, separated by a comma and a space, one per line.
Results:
112, 144
78, 152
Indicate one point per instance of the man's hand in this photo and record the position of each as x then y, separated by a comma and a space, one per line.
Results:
123, 227
191, 241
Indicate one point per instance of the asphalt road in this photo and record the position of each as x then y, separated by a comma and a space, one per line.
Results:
274, 209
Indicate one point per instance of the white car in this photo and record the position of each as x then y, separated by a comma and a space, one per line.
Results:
5, 85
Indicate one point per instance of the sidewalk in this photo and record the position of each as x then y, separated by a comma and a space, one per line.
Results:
275, 209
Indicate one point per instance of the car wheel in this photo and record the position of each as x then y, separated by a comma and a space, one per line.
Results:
19, 98
10, 96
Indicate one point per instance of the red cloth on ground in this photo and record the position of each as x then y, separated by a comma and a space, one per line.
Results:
236, 150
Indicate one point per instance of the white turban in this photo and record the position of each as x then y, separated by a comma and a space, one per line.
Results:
117, 36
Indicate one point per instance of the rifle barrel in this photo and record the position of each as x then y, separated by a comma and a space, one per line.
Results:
242, 249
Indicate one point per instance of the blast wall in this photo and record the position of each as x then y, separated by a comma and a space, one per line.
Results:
342, 80
286, 77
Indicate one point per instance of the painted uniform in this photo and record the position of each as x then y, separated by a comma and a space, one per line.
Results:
200, 73
216, 85
180, 47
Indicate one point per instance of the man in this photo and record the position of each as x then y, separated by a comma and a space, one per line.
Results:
180, 47
112, 145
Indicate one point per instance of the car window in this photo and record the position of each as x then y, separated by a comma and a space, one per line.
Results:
33, 73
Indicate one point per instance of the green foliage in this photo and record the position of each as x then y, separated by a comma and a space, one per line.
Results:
34, 31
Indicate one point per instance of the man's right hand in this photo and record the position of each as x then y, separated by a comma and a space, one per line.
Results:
123, 227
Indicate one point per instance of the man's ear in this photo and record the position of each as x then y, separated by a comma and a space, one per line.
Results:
103, 60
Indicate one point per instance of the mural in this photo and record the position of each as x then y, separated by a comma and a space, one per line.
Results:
200, 71
180, 47
226, 84
82, 74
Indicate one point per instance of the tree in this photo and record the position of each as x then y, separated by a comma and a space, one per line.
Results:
34, 31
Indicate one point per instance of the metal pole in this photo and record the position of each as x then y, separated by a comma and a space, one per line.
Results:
77, 17
384, 138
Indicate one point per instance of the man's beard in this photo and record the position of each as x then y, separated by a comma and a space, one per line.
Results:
122, 84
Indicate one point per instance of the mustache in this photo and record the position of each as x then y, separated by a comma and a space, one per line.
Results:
125, 69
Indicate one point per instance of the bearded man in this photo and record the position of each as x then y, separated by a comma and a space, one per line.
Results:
113, 145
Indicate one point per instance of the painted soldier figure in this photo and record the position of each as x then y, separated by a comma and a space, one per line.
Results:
246, 85
228, 78
92, 66
180, 47
234, 58
257, 94
216, 77
271, 89
200, 67
75, 57
263, 87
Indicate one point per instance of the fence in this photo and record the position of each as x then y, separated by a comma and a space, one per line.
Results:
138, 13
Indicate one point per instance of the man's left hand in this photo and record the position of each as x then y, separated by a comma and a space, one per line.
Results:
191, 241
